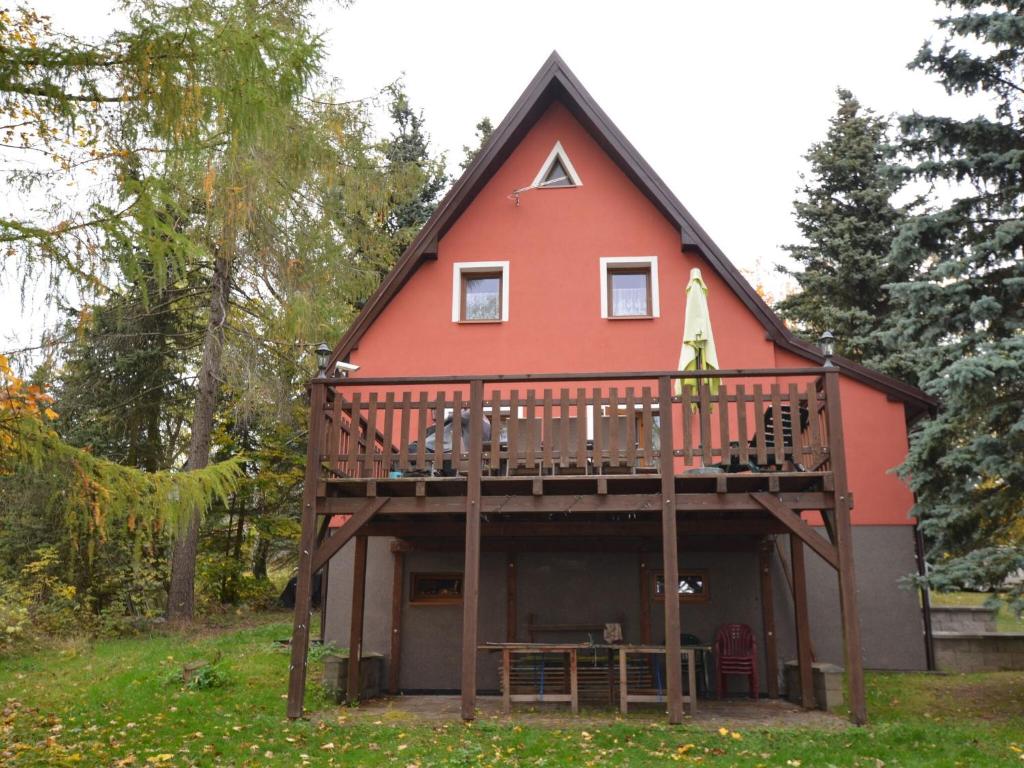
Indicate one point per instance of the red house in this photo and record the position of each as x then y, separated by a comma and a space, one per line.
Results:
513, 460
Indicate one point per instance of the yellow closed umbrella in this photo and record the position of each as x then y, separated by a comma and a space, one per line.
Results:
698, 351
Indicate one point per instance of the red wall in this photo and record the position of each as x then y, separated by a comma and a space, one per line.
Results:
553, 242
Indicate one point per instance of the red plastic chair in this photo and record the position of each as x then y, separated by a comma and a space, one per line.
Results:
736, 654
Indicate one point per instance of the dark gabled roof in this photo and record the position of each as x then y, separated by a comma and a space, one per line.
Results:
555, 82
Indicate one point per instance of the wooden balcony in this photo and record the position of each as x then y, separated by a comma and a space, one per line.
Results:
575, 445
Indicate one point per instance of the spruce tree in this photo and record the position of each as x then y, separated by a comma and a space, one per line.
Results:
848, 219
960, 318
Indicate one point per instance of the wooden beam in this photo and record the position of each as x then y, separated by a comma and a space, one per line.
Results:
803, 630
471, 567
397, 587
333, 544
771, 652
670, 553
557, 529
355, 635
594, 503
792, 520
561, 544
844, 547
511, 611
303, 587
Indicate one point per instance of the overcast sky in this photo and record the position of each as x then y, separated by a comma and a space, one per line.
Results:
722, 98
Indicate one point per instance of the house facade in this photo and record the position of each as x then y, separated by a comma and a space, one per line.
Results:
554, 276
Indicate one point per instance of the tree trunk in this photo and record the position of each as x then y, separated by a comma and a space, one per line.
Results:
260, 556
181, 597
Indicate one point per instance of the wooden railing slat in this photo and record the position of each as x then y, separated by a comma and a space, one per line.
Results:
759, 437
704, 393
630, 427
368, 465
811, 393
421, 431
581, 427
513, 449
741, 424
457, 464
613, 426
547, 433
495, 432
646, 428
723, 424
781, 451
439, 406
598, 430
403, 434
563, 429
530, 427
353, 436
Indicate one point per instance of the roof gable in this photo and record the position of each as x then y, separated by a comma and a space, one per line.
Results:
556, 82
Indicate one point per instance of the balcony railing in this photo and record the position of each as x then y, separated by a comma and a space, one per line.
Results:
758, 420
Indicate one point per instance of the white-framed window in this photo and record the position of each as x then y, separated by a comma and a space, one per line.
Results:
557, 172
629, 287
480, 292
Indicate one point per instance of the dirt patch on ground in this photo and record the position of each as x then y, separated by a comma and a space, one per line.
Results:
736, 714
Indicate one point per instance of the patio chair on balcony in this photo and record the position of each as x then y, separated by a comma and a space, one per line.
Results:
571, 465
528, 438
617, 464
774, 440
736, 654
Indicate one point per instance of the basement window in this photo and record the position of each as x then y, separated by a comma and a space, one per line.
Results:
435, 588
693, 586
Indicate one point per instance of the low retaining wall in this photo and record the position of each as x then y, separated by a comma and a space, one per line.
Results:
979, 651
965, 618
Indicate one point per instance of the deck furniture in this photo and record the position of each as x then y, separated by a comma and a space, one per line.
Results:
736, 654
701, 661
625, 697
568, 650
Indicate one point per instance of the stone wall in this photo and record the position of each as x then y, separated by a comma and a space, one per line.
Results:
965, 618
978, 652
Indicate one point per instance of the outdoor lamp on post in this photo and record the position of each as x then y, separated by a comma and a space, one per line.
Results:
827, 342
322, 353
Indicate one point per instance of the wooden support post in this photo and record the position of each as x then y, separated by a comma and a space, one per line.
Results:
506, 680
803, 630
574, 683
397, 586
304, 583
355, 635
670, 553
471, 568
844, 546
324, 581
511, 611
771, 651
623, 683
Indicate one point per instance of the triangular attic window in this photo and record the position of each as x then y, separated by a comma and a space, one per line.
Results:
557, 176
557, 171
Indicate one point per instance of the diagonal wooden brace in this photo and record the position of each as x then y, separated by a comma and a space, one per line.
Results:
332, 544
792, 520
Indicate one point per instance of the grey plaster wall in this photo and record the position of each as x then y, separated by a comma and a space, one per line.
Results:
593, 588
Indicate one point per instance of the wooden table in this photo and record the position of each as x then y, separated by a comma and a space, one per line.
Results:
688, 653
509, 649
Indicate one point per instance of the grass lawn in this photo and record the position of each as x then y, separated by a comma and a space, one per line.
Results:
1006, 621
111, 704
